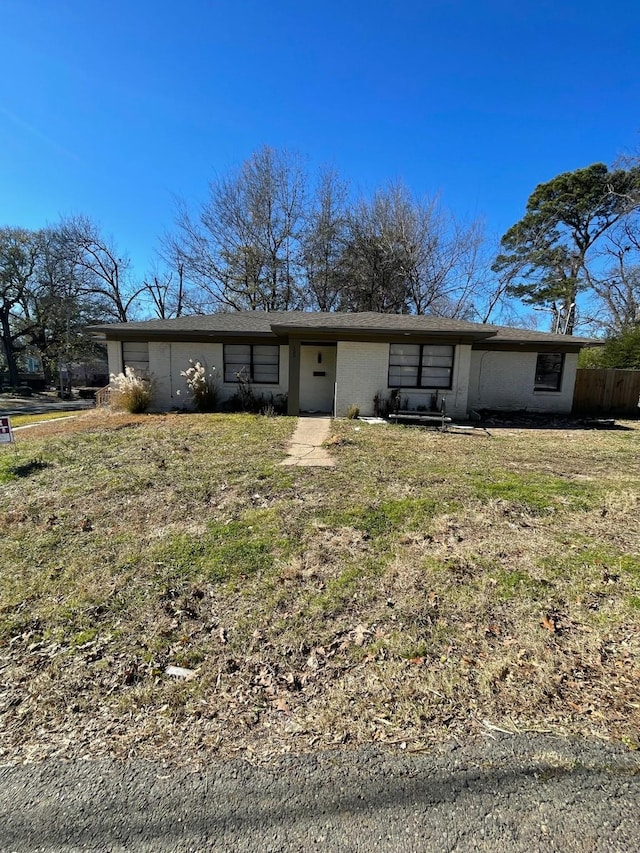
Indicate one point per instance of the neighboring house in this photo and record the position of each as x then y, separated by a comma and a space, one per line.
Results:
93, 373
30, 372
327, 362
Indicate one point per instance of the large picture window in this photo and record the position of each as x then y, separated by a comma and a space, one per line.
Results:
549, 371
420, 366
260, 363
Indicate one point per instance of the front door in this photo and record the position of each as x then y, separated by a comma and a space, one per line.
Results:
317, 378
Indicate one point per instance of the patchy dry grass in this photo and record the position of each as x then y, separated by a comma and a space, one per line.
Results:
426, 585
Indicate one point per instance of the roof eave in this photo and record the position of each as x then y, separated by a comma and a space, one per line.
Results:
361, 333
165, 335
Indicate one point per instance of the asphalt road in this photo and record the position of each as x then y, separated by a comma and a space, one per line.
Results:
510, 794
40, 404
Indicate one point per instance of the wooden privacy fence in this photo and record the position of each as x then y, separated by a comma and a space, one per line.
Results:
607, 391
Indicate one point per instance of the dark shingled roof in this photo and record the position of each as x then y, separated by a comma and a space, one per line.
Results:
507, 334
247, 322
242, 322
370, 321
284, 322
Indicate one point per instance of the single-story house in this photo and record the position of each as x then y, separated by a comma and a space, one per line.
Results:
327, 362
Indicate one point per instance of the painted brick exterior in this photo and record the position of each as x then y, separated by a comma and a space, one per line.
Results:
114, 355
363, 372
505, 380
168, 360
482, 379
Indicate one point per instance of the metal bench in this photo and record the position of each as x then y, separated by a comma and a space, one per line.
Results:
440, 419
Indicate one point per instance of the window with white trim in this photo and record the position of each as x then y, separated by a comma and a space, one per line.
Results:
260, 363
420, 366
549, 371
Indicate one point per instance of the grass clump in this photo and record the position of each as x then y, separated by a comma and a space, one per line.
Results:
518, 583
538, 494
203, 386
224, 551
386, 516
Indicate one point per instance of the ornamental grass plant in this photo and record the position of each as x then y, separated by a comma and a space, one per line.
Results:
130, 392
203, 386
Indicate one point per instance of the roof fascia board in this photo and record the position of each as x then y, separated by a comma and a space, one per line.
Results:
527, 346
185, 337
381, 336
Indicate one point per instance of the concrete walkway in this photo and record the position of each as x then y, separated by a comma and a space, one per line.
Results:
306, 444
48, 421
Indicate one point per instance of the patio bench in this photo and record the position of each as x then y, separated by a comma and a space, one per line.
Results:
440, 419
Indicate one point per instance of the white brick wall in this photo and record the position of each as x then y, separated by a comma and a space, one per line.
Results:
505, 380
114, 355
160, 373
363, 371
168, 360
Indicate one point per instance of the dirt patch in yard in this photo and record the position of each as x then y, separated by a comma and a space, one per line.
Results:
429, 586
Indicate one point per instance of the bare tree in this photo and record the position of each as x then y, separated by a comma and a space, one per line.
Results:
241, 250
43, 307
452, 270
377, 259
323, 242
406, 255
164, 286
261, 241
617, 285
98, 267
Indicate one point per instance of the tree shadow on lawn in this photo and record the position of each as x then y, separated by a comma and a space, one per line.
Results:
28, 468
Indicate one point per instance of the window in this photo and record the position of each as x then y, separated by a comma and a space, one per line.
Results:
260, 363
549, 371
420, 366
135, 354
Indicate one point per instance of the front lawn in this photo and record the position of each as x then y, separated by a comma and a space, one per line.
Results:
429, 587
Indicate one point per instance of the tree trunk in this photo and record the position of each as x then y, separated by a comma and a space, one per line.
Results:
10, 355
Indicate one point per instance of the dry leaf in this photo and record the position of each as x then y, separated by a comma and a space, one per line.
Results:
358, 635
548, 623
280, 704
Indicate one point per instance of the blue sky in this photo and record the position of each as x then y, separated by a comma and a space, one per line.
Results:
111, 109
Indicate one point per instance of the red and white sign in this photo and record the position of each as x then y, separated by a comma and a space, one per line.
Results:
6, 435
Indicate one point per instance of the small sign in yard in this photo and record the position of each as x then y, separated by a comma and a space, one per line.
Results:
6, 435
